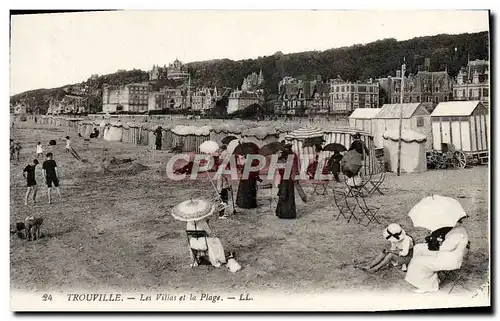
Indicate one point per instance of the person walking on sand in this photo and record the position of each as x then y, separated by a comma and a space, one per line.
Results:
158, 133
17, 148
68, 145
39, 149
51, 177
29, 174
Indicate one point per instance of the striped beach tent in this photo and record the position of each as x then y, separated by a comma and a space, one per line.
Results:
344, 136
190, 137
297, 137
260, 135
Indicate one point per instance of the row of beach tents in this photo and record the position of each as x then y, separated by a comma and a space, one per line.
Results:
189, 137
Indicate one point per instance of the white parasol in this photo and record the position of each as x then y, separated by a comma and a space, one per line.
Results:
193, 210
232, 145
209, 147
434, 212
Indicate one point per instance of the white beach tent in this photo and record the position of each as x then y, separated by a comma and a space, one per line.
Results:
415, 117
364, 119
413, 151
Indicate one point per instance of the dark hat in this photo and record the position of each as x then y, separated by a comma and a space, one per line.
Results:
67, 137
288, 145
49, 155
357, 135
35, 161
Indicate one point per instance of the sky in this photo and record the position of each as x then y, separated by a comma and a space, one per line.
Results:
52, 50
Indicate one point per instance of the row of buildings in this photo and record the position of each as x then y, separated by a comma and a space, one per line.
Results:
341, 97
141, 98
295, 96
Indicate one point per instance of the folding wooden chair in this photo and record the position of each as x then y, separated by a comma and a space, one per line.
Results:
373, 185
369, 212
199, 256
354, 190
320, 187
267, 185
345, 205
455, 276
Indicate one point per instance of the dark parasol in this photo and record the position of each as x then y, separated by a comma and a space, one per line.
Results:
226, 140
272, 148
310, 142
335, 147
244, 149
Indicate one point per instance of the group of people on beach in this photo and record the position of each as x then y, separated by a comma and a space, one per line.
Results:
246, 196
49, 172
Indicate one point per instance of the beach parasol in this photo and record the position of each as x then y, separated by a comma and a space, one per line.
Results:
193, 210
244, 149
435, 212
306, 132
351, 163
271, 148
309, 142
335, 147
226, 140
209, 147
232, 145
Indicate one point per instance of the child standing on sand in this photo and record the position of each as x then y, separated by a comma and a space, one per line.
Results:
68, 144
39, 149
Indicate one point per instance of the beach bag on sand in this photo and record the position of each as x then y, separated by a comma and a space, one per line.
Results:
215, 251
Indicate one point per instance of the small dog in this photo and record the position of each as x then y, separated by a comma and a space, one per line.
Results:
33, 227
231, 264
17, 228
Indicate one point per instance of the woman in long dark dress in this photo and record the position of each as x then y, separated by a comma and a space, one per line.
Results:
247, 189
159, 136
286, 190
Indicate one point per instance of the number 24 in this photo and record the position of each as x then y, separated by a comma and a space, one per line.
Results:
47, 297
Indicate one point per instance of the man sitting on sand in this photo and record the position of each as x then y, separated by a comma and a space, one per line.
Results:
51, 177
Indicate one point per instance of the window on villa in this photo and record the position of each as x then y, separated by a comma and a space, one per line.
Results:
437, 99
445, 98
420, 122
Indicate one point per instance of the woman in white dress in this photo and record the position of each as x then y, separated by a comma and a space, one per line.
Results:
211, 245
425, 265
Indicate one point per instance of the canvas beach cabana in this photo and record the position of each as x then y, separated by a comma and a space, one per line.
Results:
113, 132
364, 119
297, 139
260, 135
413, 151
464, 124
344, 136
415, 117
190, 137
